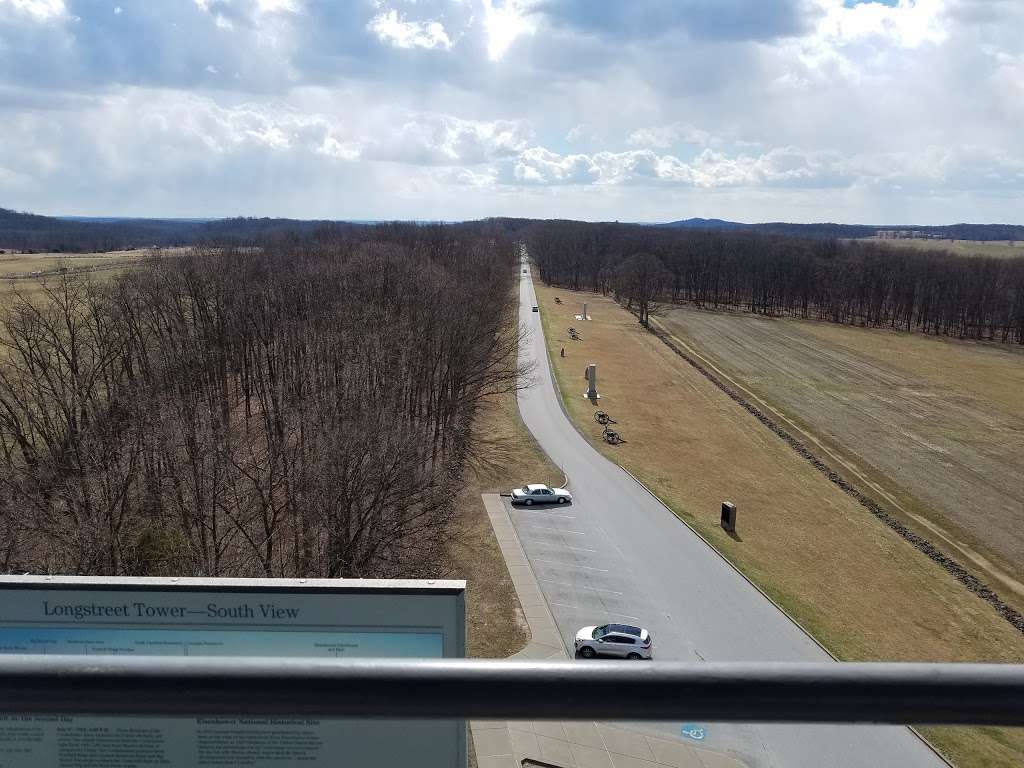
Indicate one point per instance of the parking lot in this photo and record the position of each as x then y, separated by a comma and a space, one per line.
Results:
584, 575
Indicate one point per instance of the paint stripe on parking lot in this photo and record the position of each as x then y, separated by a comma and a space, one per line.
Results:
552, 515
547, 543
570, 565
580, 609
556, 530
580, 586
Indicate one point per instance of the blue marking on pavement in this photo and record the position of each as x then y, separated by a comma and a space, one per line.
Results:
695, 732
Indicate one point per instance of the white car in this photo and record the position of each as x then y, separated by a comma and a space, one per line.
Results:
621, 641
540, 494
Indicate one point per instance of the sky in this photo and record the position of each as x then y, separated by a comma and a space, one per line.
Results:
904, 111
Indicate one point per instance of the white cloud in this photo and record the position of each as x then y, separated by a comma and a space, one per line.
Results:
340, 150
277, 6
37, 10
436, 139
854, 38
966, 168
539, 107
580, 133
665, 136
786, 166
118, 10
390, 28
541, 166
504, 21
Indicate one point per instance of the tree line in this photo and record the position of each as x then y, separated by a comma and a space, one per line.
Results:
857, 283
303, 409
32, 233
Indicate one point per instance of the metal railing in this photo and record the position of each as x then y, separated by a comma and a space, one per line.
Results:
936, 694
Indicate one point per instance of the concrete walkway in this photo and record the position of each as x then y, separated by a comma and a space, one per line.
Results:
573, 744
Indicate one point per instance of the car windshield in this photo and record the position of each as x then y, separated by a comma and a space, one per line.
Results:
600, 632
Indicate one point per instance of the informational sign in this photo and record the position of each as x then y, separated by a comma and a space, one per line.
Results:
308, 618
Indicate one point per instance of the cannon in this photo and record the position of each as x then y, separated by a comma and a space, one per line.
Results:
611, 436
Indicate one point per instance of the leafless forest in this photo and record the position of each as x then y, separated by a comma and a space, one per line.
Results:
869, 284
303, 409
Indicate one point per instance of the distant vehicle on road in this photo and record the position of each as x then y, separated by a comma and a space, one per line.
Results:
540, 494
622, 641
536, 309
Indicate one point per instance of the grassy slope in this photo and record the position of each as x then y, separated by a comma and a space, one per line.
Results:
855, 585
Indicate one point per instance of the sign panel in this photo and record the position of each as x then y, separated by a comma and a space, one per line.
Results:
308, 618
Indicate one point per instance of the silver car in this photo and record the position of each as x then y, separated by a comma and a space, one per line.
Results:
540, 494
622, 641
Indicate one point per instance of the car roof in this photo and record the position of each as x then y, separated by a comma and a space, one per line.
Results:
625, 629
536, 486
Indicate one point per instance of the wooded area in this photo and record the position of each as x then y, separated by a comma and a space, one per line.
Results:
855, 283
46, 234
303, 409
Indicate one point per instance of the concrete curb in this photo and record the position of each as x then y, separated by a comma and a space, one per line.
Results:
492, 740
545, 639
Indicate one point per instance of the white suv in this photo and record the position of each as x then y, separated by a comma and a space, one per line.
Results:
619, 640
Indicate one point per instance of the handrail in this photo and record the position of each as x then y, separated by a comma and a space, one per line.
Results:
895, 693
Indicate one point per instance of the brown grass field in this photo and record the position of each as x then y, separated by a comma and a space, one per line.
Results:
1002, 249
15, 265
859, 588
932, 428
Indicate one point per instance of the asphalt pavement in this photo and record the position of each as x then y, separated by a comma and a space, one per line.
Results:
618, 555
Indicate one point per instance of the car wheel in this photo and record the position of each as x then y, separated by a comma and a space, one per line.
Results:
561, 499
528, 502
587, 652
634, 656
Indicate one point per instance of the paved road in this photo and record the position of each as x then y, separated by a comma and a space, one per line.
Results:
616, 554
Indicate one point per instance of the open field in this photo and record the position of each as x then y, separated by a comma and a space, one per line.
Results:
933, 428
999, 248
858, 587
27, 265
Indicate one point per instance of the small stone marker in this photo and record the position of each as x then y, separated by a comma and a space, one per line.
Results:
729, 516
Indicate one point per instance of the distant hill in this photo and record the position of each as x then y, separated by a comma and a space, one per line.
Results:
705, 224
856, 231
824, 230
